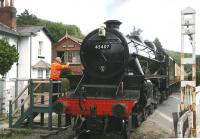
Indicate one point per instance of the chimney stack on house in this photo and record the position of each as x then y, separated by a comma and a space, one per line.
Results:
8, 13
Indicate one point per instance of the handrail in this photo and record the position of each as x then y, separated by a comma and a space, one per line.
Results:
47, 81
77, 87
119, 85
26, 99
20, 93
37, 86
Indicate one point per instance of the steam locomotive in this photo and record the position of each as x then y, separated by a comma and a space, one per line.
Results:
123, 81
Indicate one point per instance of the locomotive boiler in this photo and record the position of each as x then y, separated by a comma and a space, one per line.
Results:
124, 79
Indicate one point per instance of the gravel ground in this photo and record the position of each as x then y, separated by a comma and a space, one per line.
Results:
149, 129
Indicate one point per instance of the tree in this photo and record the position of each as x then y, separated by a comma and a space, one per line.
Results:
135, 32
157, 43
57, 30
26, 18
8, 55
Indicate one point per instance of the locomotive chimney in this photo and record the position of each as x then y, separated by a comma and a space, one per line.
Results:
113, 24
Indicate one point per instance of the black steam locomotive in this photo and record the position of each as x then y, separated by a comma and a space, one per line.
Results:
123, 81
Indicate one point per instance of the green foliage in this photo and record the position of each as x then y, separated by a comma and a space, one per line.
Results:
17, 134
8, 55
135, 32
157, 43
65, 72
58, 107
174, 55
65, 85
58, 30
27, 19
188, 68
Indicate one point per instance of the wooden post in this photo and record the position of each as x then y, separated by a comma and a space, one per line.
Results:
194, 131
10, 114
42, 114
31, 103
67, 120
50, 105
22, 107
59, 120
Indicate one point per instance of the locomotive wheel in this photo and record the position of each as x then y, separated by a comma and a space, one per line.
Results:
151, 108
157, 97
127, 128
155, 104
137, 119
164, 95
145, 114
160, 99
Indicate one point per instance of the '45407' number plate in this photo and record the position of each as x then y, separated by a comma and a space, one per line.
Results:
102, 46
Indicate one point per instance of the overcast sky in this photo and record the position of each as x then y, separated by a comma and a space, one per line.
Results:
157, 18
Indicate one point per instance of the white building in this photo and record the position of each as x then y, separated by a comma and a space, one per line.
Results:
34, 52
34, 47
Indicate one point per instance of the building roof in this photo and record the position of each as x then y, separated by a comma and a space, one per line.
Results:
41, 65
6, 29
188, 10
77, 40
32, 29
24, 30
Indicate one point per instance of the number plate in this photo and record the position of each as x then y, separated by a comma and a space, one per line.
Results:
102, 46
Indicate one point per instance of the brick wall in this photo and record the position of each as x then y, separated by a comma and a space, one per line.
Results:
8, 16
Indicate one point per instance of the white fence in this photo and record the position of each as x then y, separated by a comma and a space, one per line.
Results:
9, 90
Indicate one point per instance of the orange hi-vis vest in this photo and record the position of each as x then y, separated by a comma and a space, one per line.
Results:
55, 70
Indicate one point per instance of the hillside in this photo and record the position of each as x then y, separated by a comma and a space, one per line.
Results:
176, 56
188, 68
57, 29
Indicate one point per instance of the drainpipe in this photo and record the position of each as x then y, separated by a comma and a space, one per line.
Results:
17, 75
30, 53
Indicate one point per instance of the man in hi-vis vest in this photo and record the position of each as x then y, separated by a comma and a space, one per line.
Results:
56, 68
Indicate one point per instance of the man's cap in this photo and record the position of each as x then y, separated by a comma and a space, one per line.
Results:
58, 59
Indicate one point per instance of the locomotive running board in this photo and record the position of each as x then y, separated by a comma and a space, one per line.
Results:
99, 86
155, 76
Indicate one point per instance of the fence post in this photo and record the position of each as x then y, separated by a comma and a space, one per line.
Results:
59, 120
16, 93
31, 103
175, 121
67, 120
22, 107
50, 104
42, 114
10, 114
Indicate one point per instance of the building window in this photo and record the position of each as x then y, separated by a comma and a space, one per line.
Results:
40, 73
72, 57
69, 56
47, 73
40, 48
61, 55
